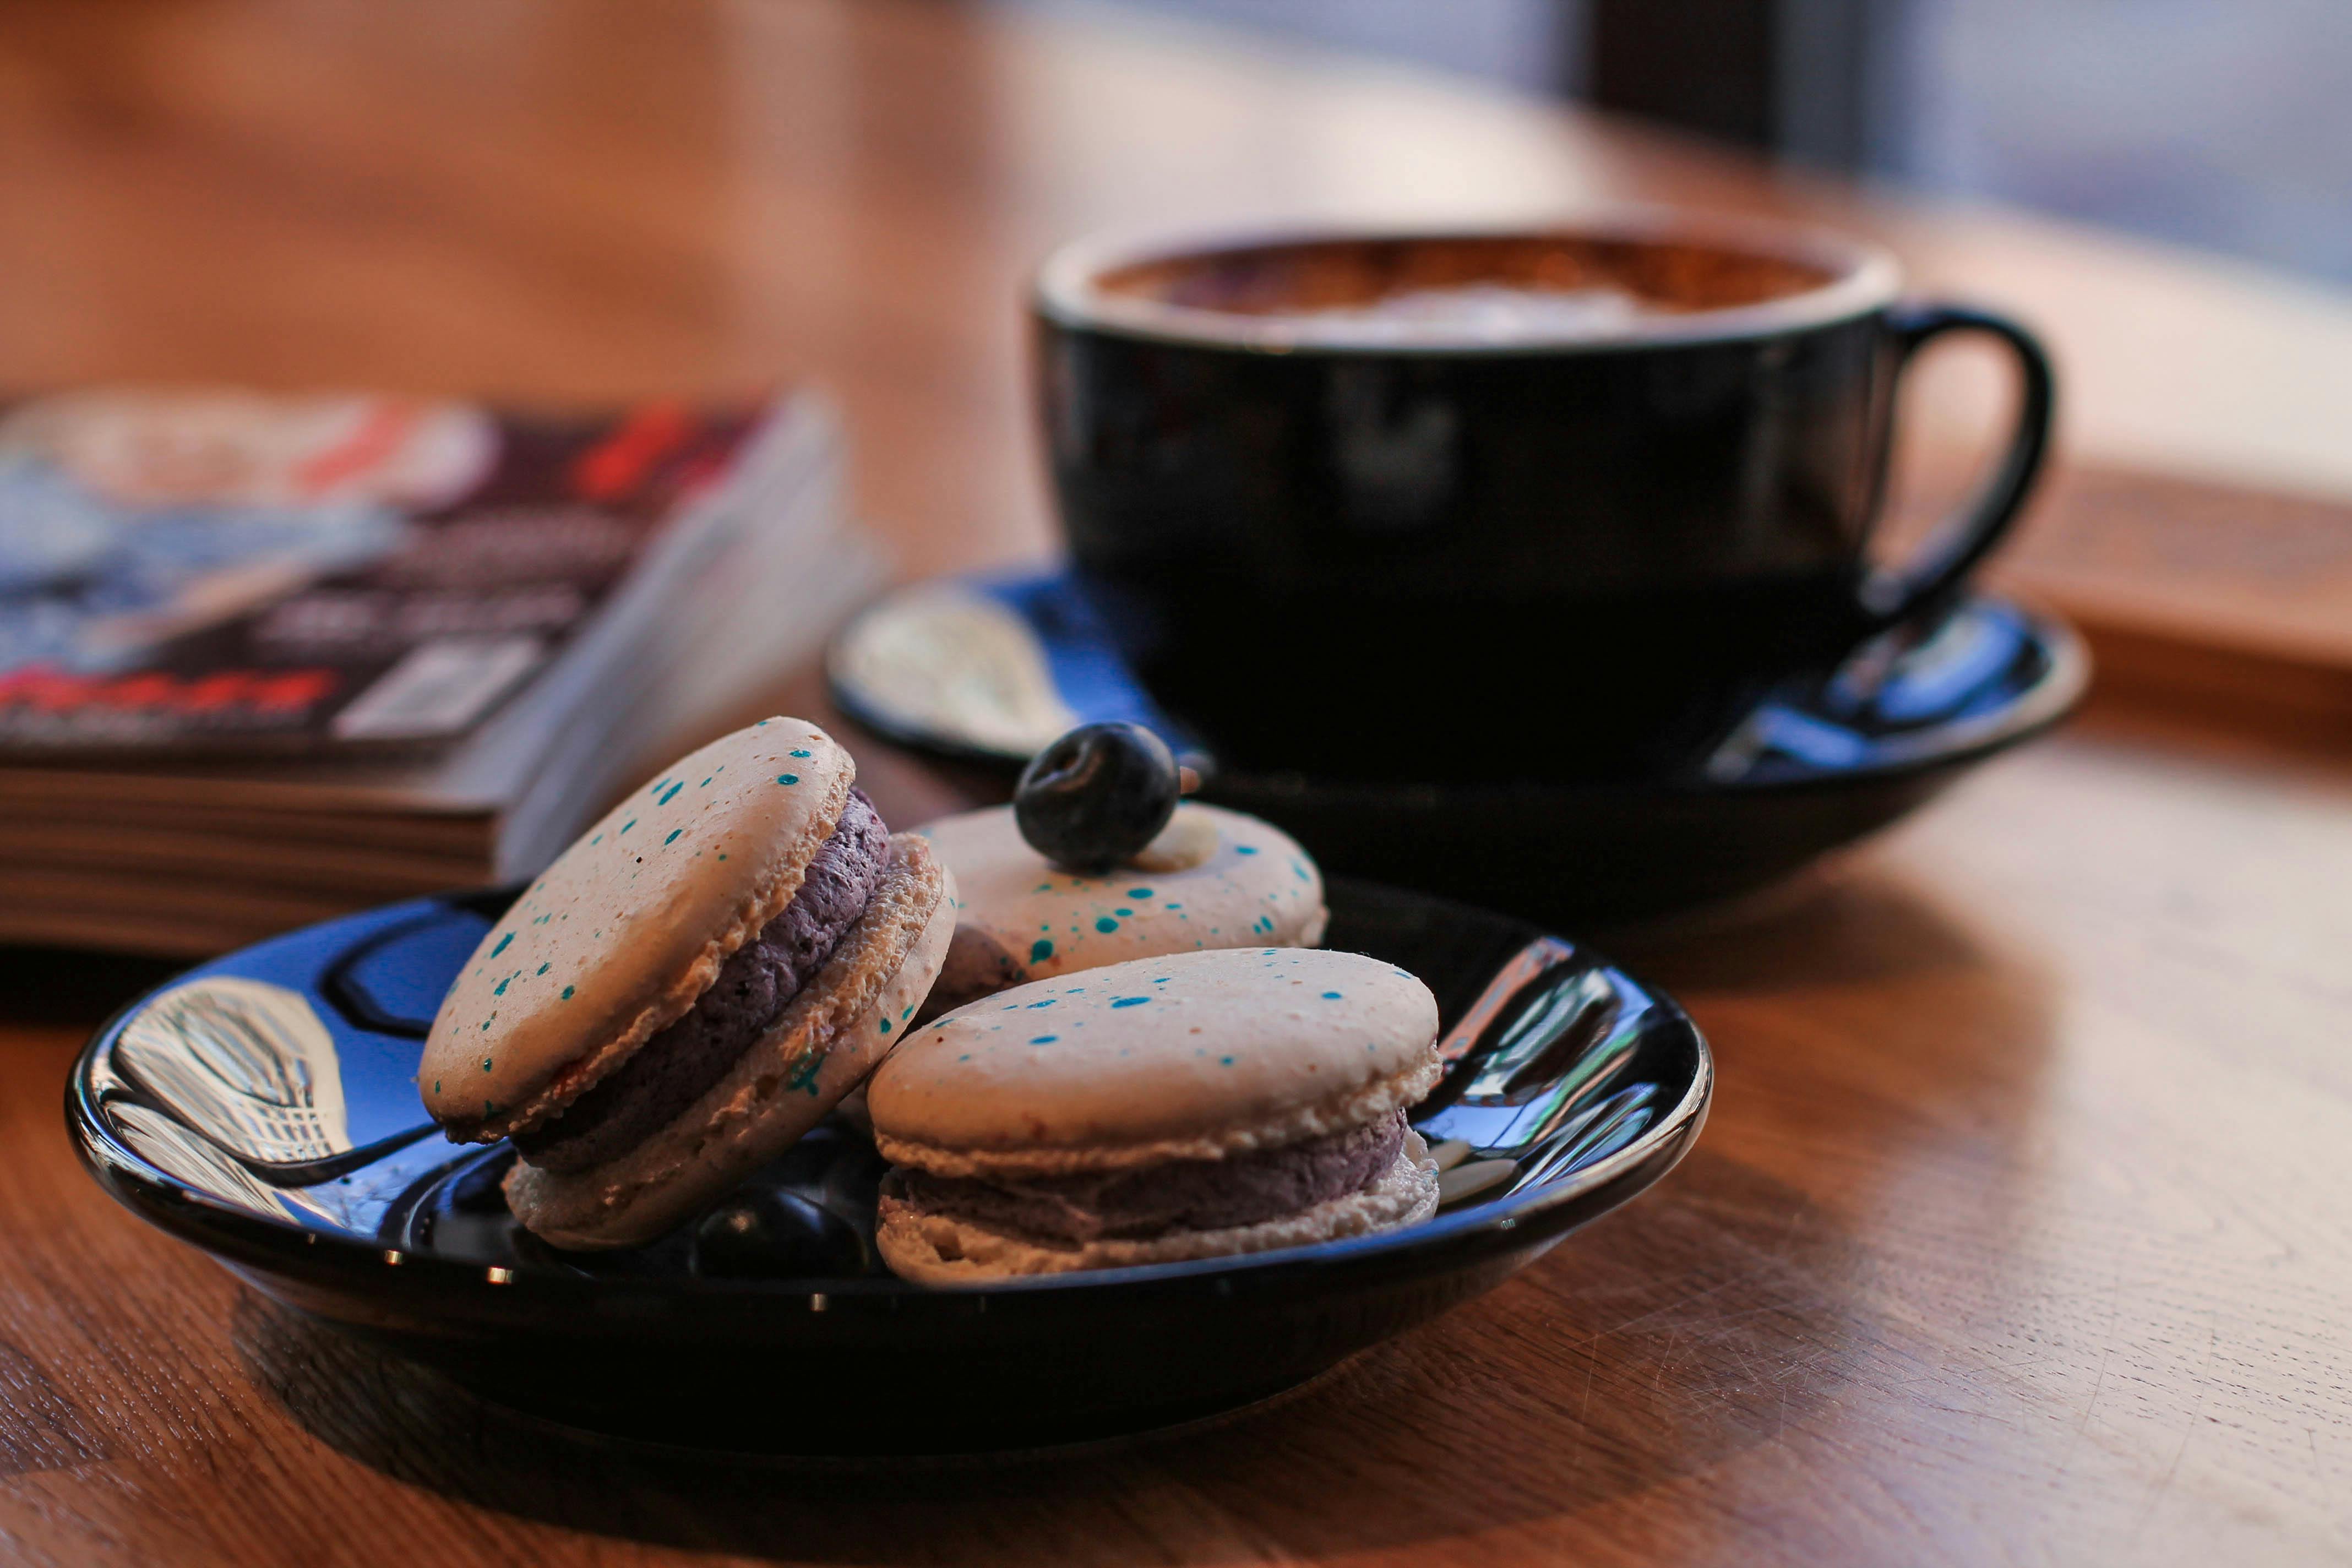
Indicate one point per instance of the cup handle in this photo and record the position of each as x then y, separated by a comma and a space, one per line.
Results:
1892, 595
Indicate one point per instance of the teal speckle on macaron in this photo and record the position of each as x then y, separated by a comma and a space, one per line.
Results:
503, 942
804, 1071
788, 778
1041, 949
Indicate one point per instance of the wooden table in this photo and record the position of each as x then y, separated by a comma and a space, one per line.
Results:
2019, 1233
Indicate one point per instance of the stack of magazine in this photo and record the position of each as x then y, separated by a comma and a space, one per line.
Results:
267, 659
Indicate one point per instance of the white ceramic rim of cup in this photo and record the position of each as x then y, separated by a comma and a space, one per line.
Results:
1864, 279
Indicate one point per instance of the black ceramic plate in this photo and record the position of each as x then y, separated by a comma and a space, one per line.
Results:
986, 669
264, 1107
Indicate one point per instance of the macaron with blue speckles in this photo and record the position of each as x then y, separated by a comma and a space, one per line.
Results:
1212, 878
690, 987
1193, 1105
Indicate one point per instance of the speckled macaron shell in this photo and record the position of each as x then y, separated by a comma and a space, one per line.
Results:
829, 1037
1252, 887
630, 925
1191, 1056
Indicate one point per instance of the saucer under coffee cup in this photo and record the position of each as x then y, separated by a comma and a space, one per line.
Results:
1637, 459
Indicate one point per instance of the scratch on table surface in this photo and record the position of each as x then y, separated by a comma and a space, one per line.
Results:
1665, 1359
2204, 1389
1679, 1301
1949, 1371
2099, 1384
1738, 1353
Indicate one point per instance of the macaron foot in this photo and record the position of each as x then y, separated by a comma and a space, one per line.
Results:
932, 1247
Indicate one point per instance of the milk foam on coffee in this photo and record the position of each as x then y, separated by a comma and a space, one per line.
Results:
1478, 312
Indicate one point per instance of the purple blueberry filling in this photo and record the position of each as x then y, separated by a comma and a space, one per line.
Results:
1183, 1194
680, 1065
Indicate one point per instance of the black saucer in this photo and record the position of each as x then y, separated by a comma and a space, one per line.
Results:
264, 1107
984, 670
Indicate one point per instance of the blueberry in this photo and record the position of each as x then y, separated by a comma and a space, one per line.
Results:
766, 1235
1097, 795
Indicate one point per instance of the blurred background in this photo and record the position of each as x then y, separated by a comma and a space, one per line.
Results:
2225, 127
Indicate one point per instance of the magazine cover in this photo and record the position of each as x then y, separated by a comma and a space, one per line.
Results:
226, 573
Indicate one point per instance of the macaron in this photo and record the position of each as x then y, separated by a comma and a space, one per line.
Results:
690, 987
1189, 1106
1212, 879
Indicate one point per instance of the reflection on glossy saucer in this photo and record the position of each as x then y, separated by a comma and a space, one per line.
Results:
247, 1065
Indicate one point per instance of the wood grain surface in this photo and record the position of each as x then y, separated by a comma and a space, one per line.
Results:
2019, 1234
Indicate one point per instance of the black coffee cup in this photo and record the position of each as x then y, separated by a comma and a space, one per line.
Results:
1552, 505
